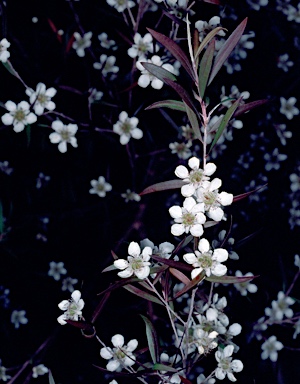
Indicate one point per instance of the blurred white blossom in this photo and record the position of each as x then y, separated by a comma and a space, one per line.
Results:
273, 160
288, 108
141, 46
284, 63
130, 196
246, 286
121, 5
270, 348
82, 42
18, 116
4, 53
39, 370
226, 366
100, 187
126, 127
105, 42
68, 284
182, 150
18, 317
56, 270
106, 65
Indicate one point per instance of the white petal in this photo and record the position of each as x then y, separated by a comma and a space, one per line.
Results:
124, 139
216, 214
121, 263
54, 138
203, 246
134, 249
62, 147
194, 163
175, 212
189, 203
209, 169
57, 125
117, 340
123, 116
18, 127
181, 172
31, 118
147, 251
195, 272
237, 365
61, 320
215, 184
131, 346
137, 133
144, 81
112, 365
10, 106
220, 254
226, 198
143, 272
228, 350
187, 190
76, 295
63, 305
196, 230
219, 270
190, 258
24, 105
126, 273
7, 119
177, 229
105, 353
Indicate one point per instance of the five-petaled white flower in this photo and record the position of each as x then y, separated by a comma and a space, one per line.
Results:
137, 263
82, 42
195, 177
18, 115
39, 370
121, 355
121, 5
188, 218
207, 260
18, 317
226, 365
4, 54
126, 127
73, 308
63, 134
41, 98
100, 187
141, 46
288, 108
270, 348
246, 286
56, 269
106, 65
212, 199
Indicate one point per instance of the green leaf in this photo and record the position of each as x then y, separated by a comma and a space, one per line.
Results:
10, 69
1, 219
194, 121
163, 186
152, 339
145, 295
172, 104
227, 48
205, 67
51, 379
228, 115
159, 72
163, 367
248, 106
230, 279
176, 51
207, 39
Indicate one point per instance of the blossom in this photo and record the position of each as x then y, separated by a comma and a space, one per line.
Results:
4, 167
182, 150
282, 133
106, 65
63, 134
234, 94
297, 261
67, 284
297, 329
141, 46
56, 269
121, 355
256, 4
137, 263
201, 379
280, 307
287, 107
39, 370
284, 63
18, 116
121, 5
226, 365
82, 42
41, 98
293, 14
94, 95
3, 375
188, 218
73, 308
295, 182
205, 341
130, 196
126, 127
270, 348
260, 326
147, 78
195, 177
105, 42
164, 249
205, 27
273, 160
204, 259
42, 180
18, 317
213, 200
245, 287
4, 54
100, 187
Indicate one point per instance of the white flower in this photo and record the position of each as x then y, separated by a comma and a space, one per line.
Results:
245, 287
126, 127
212, 199
39, 370
297, 261
105, 42
147, 78
121, 5
234, 94
293, 14
94, 95
280, 307
207, 260
3, 375
226, 365
130, 196
63, 134
256, 4
4, 167
270, 348
18, 317
73, 308
106, 65
141, 46
282, 133
288, 108
259, 327
137, 263
195, 177
205, 27
82, 42
201, 379
68, 284
56, 269
41, 98
100, 187
273, 160
42, 180
188, 218
297, 329
182, 150
163, 250
18, 115
205, 341
121, 355
4, 54
284, 63
295, 182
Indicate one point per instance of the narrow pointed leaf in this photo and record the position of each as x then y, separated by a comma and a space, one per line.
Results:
81, 325
145, 295
248, 106
172, 104
183, 243
182, 93
163, 186
159, 72
100, 306
119, 284
176, 51
228, 115
246, 194
191, 284
215, 2
227, 48
109, 268
179, 275
207, 39
194, 121
205, 67
163, 367
172, 263
230, 279
152, 339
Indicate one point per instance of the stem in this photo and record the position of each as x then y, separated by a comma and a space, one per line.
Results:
188, 321
293, 283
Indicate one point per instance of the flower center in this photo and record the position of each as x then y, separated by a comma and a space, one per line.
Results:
126, 127
210, 198
42, 98
136, 264
225, 364
205, 260
65, 135
142, 47
196, 176
119, 354
20, 115
188, 219
100, 187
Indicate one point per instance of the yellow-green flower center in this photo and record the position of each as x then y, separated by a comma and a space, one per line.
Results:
209, 198
20, 115
196, 176
205, 260
42, 98
188, 219
126, 127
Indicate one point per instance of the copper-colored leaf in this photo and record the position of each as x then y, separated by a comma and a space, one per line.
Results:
246, 194
248, 106
163, 186
145, 295
230, 279
179, 275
